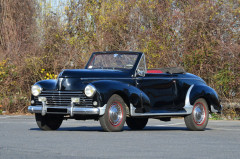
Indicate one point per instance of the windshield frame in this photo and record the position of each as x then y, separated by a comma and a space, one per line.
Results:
139, 54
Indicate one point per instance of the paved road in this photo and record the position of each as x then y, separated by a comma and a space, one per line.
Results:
20, 138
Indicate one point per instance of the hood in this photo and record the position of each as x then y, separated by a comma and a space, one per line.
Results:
93, 73
73, 80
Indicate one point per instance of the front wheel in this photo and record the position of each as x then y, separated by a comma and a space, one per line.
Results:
198, 120
115, 114
48, 122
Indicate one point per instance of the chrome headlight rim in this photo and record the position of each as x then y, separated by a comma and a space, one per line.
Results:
90, 90
36, 90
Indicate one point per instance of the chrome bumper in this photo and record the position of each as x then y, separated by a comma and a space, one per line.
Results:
67, 110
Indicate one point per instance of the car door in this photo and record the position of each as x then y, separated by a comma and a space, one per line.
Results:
160, 90
158, 87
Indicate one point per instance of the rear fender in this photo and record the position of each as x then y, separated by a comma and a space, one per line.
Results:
206, 92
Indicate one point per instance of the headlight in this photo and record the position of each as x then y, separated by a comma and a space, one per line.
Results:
36, 90
90, 90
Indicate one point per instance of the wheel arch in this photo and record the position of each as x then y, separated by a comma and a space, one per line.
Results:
125, 99
208, 94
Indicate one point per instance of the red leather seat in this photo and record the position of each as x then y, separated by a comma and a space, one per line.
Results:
154, 71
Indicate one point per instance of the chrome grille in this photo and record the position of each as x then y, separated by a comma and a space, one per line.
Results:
63, 98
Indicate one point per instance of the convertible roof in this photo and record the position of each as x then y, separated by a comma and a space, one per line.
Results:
171, 70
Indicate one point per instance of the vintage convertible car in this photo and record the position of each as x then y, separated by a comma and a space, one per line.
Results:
116, 87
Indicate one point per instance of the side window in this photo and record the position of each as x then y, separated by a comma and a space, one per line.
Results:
141, 70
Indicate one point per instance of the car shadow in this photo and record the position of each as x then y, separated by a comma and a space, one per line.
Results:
126, 128
82, 128
165, 128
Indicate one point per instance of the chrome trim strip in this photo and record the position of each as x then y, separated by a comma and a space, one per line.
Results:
142, 56
61, 92
70, 110
213, 110
132, 112
148, 78
188, 107
60, 83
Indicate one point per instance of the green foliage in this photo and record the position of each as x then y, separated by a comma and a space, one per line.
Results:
215, 116
224, 78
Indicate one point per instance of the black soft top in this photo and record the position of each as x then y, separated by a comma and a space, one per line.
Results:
171, 70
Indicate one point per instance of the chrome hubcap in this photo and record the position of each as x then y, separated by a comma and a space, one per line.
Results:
115, 114
199, 114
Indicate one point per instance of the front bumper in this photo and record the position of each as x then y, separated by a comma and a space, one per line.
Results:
67, 110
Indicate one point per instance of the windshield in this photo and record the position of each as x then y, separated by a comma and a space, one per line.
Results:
112, 61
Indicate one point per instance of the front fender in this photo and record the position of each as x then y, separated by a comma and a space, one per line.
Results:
206, 92
106, 88
50, 84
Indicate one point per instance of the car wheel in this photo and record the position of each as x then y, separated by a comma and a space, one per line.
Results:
115, 114
198, 120
48, 122
136, 123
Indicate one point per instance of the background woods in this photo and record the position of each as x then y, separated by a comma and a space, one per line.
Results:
38, 38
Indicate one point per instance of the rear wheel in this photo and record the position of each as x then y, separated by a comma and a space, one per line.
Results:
136, 123
115, 114
48, 122
198, 120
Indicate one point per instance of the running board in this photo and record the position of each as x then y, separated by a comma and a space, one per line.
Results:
133, 113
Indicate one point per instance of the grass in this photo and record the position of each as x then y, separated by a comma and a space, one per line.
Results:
215, 116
